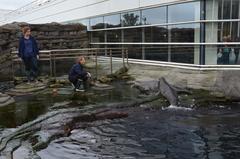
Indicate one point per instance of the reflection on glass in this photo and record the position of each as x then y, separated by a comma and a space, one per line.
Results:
159, 53
112, 21
235, 9
117, 52
154, 16
131, 19
134, 51
183, 54
156, 34
222, 9
97, 37
184, 12
133, 35
114, 36
97, 23
185, 33
228, 29
85, 23
222, 55
226, 9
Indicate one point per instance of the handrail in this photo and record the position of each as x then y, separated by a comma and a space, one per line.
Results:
63, 50
172, 43
60, 54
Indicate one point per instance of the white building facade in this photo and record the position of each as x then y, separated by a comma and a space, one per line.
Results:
205, 32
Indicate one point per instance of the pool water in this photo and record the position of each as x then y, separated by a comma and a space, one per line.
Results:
151, 131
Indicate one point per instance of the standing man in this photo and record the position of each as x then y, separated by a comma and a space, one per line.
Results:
78, 76
29, 53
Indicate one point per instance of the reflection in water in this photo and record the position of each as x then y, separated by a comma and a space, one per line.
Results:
149, 131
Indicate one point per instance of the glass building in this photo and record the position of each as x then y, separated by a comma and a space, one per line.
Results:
197, 32
202, 32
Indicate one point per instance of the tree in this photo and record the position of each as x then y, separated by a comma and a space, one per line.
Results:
130, 19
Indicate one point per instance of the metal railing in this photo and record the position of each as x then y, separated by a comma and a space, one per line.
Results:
97, 53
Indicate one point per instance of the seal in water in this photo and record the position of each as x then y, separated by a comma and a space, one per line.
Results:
168, 91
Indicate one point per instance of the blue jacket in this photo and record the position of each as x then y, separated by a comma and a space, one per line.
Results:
21, 47
76, 72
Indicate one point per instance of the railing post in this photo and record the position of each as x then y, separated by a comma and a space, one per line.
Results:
54, 65
123, 52
96, 58
50, 64
12, 65
111, 66
127, 55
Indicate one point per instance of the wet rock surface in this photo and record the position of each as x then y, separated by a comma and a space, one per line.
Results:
27, 88
120, 122
5, 100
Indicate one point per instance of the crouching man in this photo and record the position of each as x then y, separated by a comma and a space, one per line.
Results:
78, 76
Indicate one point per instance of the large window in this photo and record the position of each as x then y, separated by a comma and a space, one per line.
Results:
158, 53
228, 9
222, 9
222, 31
154, 16
156, 34
97, 37
175, 23
133, 35
134, 51
131, 19
185, 33
85, 23
114, 36
228, 29
184, 54
112, 21
97, 23
184, 12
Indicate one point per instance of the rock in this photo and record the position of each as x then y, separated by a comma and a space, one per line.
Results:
146, 86
100, 86
56, 85
120, 74
127, 77
105, 79
5, 100
25, 88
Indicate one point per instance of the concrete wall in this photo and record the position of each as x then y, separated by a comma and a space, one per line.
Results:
65, 10
222, 83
